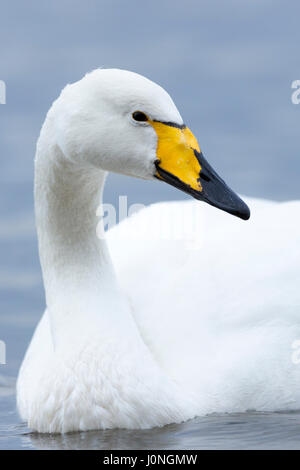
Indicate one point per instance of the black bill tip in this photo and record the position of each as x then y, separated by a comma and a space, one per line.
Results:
214, 190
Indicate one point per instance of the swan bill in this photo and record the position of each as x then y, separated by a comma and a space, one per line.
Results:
181, 163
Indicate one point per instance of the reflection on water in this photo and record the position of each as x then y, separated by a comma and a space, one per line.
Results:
235, 431
159, 438
213, 432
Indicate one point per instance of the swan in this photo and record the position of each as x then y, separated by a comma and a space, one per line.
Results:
143, 329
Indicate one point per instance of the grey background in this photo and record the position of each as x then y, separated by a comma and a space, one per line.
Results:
228, 66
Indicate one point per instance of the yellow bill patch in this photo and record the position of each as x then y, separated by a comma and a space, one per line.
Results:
175, 152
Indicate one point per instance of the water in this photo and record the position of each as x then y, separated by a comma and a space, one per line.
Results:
21, 304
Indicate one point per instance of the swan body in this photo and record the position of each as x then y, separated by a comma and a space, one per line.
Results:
145, 327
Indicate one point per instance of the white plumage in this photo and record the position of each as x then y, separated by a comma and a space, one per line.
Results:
188, 318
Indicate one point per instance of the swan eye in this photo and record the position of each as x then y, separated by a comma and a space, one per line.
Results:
139, 116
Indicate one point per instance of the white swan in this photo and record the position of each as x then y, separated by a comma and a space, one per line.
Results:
179, 329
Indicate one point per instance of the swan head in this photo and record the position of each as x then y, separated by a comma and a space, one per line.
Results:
119, 121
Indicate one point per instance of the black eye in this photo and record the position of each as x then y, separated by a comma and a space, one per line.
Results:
139, 116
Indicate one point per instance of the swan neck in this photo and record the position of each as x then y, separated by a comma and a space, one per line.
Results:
76, 266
